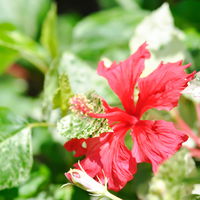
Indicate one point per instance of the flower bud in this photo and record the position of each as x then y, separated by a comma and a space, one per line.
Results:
81, 179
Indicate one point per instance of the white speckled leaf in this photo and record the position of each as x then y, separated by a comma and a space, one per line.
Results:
77, 125
164, 39
192, 91
15, 150
167, 184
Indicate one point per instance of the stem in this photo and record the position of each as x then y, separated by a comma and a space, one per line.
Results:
40, 124
194, 152
197, 107
111, 196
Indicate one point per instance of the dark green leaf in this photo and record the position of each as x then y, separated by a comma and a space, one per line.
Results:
37, 179
105, 29
188, 12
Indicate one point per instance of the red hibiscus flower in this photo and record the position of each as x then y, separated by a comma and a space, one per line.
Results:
154, 141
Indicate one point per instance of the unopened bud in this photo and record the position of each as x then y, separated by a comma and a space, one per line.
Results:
81, 179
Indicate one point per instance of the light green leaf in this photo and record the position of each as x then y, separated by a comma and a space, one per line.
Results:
63, 94
7, 57
167, 183
165, 41
52, 192
15, 148
49, 34
12, 92
79, 125
192, 91
26, 15
105, 29
26, 47
65, 25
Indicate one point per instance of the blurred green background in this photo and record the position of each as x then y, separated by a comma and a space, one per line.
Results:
73, 35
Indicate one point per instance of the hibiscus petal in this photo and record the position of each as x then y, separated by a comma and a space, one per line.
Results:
162, 88
156, 141
122, 77
76, 145
107, 156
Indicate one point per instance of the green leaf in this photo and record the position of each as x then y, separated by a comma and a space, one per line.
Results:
25, 15
26, 47
63, 94
49, 34
7, 57
65, 25
193, 197
15, 148
105, 29
12, 91
187, 11
128, 4
38, 178
104, 4
167, 183
54, 192
192, 42
78, 125
187, 111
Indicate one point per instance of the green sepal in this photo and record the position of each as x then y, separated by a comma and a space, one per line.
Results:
62, 94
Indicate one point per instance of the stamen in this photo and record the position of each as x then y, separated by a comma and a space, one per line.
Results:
80, 104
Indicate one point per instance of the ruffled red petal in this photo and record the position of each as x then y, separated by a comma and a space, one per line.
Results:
107, 156
76, 145
122, 77
156, 141
162, 88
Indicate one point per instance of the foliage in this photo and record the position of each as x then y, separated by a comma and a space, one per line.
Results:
64, 50
16, 154
167, 183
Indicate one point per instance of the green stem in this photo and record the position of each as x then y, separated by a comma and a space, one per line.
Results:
111, 196
40, 124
